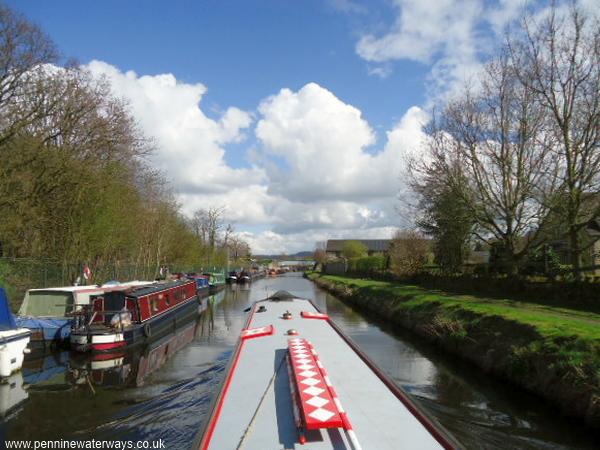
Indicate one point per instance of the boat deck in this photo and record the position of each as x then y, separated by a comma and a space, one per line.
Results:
255, 409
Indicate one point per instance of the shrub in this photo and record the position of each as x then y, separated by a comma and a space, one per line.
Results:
408, 252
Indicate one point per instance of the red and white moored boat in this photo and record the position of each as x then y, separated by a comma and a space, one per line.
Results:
133, 316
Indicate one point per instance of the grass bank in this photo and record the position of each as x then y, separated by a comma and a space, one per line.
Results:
554, 352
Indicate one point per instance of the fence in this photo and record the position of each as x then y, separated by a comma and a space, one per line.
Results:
19, 274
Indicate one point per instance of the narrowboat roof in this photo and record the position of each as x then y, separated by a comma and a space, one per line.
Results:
68, 289
157, 287
255, 410
94, 287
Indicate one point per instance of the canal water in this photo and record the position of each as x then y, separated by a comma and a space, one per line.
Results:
165, 390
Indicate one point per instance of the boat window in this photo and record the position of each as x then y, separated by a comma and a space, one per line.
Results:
177, 295
168, 299
155, 303
47, 303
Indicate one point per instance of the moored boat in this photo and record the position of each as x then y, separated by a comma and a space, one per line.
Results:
48, 312
202, 285
295, 378
128, 317
232, 277
13, 340
244, 277
216, 281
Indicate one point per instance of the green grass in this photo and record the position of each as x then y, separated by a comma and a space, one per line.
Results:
550, 322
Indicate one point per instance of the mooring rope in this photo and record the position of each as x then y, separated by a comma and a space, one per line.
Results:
262, 399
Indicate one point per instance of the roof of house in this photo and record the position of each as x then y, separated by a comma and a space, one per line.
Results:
593, 227
373, 245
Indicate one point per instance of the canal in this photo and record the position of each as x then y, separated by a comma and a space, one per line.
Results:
165, 390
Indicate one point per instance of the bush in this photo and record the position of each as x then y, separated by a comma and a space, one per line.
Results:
408, 253
368, 264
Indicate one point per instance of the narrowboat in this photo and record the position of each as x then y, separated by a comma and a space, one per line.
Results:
216, 281
13, 340
244, 277
295, 378
132, 316
202, 286
48, 312
232, 277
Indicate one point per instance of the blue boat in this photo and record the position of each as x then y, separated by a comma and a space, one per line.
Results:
13, 339
202, 284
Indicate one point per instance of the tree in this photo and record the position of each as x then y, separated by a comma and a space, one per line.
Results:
441, 211
354, 249
24, 50
558, 60
490, 163
320, 256
408, 252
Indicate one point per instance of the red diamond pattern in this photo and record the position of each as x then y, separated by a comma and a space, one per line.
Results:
316, 404
249, 333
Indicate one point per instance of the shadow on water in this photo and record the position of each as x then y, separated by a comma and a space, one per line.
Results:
165, 389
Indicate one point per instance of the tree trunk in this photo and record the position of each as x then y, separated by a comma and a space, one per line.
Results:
575, 253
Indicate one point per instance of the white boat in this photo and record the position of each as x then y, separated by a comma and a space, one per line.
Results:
48, 312
13, 340
296, 381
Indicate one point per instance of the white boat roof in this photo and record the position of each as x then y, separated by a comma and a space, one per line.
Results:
255, 412
68, 289
94, 287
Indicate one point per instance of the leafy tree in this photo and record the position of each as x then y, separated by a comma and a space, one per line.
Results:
354, 249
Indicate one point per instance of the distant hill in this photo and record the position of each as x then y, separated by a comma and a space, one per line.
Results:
304, 254
299, 255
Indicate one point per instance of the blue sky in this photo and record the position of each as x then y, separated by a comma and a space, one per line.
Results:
296, 116
242, 51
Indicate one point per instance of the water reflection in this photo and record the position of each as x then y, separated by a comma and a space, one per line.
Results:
164, 389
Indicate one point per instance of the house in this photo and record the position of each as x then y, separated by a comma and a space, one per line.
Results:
590, 241
374, 246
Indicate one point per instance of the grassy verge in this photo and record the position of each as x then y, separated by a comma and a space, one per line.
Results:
554, 352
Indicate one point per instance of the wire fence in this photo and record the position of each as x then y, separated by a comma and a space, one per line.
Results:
20, 274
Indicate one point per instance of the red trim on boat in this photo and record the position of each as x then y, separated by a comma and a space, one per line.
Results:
250, 333
312, 315
108, 346
214, 418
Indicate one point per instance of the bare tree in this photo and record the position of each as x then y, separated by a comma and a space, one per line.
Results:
237, 248
24, 50
488, 146
558, 59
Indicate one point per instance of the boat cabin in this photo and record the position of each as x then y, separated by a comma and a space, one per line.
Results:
56, 302
142, 303
201, 280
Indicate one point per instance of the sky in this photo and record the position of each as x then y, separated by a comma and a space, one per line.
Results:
298, 116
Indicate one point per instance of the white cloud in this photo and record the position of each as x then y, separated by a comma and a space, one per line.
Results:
324, 143
450, 36
189, 144
453, 38
270, 242
422, 29
311, 176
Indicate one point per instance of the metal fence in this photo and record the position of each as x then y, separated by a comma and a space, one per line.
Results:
19, 274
